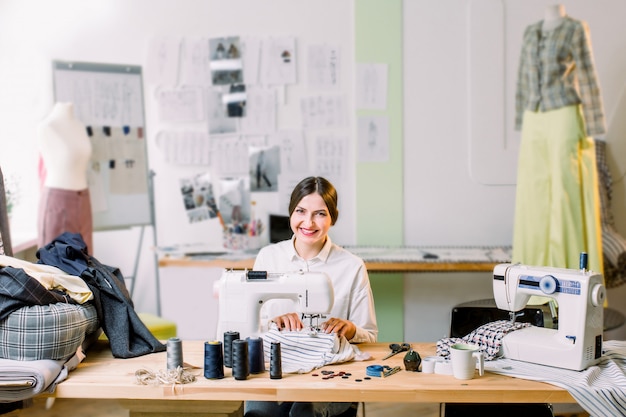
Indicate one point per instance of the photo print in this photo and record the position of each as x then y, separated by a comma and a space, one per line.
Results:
198, 198
264, 168
226, 64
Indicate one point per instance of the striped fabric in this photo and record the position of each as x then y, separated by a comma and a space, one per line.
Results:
613, 244
599, 389
302, 351
53, 331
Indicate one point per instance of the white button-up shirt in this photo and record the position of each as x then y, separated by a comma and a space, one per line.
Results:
354, 300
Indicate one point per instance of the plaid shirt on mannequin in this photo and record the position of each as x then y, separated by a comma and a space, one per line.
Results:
557, 69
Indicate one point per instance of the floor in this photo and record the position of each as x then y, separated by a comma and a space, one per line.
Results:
110, 408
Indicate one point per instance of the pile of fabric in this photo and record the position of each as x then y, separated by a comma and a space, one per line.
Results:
51, 310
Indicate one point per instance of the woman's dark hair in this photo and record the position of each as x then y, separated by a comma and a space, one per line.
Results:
318, 185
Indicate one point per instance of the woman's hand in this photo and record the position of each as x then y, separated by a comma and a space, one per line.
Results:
341, 327
290, 321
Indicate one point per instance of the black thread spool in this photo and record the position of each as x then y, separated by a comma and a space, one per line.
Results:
241, 368
276, 365
213, 360
256, 360
174, 353
229, 337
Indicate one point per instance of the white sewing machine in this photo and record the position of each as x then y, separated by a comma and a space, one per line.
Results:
242, 293
580, 295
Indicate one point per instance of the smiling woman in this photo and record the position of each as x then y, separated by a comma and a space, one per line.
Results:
312, 212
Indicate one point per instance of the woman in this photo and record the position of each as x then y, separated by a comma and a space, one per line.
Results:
312, 211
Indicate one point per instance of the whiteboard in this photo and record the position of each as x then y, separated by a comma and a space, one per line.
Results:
108, 99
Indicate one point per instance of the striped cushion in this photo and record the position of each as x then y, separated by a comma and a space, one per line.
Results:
53, 331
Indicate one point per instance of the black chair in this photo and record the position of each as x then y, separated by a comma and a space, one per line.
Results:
467, 317
489, 410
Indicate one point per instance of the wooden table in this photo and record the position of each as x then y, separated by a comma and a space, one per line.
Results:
100, 376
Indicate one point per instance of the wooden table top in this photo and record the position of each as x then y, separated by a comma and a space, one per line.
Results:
372, 266
104, 377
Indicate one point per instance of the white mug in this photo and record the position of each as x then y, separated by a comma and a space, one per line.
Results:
429, 362
464, 357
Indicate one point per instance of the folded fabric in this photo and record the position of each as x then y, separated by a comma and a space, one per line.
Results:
53, 331
599, 389
52, 278
305, 350
20, 380
128, 336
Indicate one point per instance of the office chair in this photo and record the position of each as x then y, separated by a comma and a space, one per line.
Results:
469, 316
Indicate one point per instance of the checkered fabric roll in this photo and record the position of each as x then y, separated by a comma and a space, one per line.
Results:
53, 331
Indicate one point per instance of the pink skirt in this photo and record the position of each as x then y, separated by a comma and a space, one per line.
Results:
65, 211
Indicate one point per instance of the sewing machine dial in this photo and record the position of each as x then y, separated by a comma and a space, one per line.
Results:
548, 284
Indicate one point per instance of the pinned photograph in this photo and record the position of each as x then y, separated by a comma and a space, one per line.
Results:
198, 198
226, 64
265, 167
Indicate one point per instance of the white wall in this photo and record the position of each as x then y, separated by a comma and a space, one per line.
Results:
445, 204
119, 32
458, 191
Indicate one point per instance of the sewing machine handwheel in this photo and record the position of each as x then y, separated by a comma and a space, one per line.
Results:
548, 284
598, 294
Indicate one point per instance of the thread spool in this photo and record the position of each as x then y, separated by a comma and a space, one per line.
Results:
229, 337
174, 353
241, 368
256, 360
276, 366
213, 360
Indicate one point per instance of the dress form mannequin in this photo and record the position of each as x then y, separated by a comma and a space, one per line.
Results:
559, 111
553, 16
65, 150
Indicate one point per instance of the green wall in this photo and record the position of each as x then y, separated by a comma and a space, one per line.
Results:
378, 39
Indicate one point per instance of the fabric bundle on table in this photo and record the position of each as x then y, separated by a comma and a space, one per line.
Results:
45, 317
304, 350
20, 380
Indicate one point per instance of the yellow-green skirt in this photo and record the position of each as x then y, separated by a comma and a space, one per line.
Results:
557, 207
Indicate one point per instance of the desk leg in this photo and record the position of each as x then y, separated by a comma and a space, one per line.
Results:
175, 408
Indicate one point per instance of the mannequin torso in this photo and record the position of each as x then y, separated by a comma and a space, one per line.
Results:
65, 149
553, 16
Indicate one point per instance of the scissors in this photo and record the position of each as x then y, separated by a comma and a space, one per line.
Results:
397, 348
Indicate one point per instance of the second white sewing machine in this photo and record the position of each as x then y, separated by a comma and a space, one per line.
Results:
580, 294
242, 293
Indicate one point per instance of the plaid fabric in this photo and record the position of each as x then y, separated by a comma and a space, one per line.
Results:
557, 70
487, 337
53, 331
